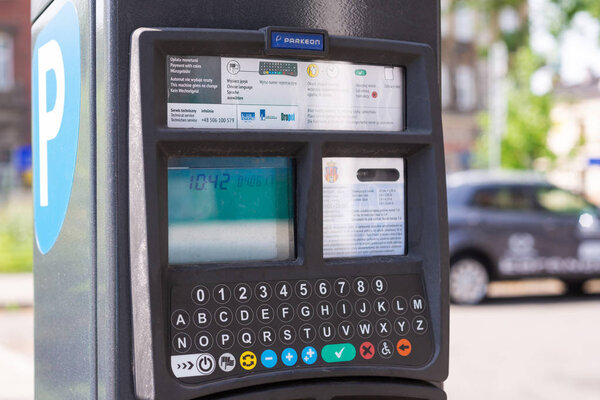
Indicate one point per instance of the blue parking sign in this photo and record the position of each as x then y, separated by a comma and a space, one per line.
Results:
56, 100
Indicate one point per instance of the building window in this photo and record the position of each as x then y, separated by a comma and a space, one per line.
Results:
6, 62
465, 88
446, 95
464, 24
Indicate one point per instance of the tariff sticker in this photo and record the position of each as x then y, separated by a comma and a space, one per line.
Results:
363, 207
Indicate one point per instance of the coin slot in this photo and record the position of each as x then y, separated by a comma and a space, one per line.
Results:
378, 175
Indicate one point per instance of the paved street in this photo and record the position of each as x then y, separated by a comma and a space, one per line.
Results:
16, 354
529, 348
543, 347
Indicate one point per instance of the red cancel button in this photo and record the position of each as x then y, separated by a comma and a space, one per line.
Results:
367, 350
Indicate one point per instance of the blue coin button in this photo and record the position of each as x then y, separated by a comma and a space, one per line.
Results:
309, 355
289, 357
268, 358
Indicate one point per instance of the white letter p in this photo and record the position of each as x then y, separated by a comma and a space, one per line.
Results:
49, 58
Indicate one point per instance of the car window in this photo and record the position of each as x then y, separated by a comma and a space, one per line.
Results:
560, 201
503, 198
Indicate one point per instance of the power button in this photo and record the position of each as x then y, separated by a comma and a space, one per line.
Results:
206, 364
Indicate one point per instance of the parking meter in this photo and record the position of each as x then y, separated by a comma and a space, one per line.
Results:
260, 211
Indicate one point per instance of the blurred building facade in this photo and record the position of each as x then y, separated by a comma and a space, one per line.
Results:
15, 71
575, 138
463, 89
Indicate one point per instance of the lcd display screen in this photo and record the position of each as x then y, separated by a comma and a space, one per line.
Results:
224, 209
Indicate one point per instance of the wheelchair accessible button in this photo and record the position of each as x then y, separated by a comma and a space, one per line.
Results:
338, 352
309, 355
289, 357
268, 358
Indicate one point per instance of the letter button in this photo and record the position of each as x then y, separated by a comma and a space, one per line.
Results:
200, 295
225, 339
325, 310
362, 307
223, 316
307, 333
265, 314
346, 330
204, 341
401, 326
365, 329
287, 334
180, 319
246, 337
399, 305
381, 306
285, 312
305, 311
417, 304
327, 331
343, 308
182, 342
383, 327
244, 315
266, 336
202, 318
419, 325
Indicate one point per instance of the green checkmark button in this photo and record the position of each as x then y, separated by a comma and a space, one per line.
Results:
338, 352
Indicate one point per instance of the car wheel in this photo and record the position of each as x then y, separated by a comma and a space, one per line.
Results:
574, 287
469, 280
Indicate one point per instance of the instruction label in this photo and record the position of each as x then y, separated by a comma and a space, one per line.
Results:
253, 93
363, 207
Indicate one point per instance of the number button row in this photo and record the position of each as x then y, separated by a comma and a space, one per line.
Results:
303, 289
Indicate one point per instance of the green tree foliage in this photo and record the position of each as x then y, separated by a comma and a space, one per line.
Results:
528, 116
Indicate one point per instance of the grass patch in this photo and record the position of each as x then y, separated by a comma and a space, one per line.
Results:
16, 234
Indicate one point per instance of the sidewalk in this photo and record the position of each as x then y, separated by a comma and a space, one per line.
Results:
16, 290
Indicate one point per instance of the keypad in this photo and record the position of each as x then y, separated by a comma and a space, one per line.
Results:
268, 325
277, 68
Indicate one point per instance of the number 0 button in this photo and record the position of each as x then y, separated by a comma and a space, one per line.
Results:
200, 295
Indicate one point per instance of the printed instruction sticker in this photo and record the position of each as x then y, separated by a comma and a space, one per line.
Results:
253, 93
363, 207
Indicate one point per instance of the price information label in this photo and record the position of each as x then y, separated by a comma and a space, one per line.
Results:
252, 93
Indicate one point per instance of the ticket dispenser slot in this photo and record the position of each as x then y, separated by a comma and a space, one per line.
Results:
286, 217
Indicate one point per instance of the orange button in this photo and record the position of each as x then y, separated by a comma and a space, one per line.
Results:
404, 347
